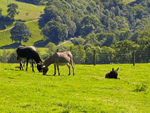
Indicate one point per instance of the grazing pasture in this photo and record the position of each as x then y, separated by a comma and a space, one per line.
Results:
87, 91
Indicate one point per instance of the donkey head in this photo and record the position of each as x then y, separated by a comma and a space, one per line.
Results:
112, 74
39, 67
45, 69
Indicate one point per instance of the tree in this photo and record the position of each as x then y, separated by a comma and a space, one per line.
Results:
12, 10
125, 49
20, 32
78, 53
106, 39
91, 39
55, 31
77, 41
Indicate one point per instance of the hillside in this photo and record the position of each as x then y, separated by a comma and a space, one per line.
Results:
33, 26
31, 19
33, 11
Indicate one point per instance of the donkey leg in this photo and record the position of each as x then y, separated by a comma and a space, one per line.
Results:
54, 69
21, 67
73, 68
27, 64
69, 68
32, 66
58, 69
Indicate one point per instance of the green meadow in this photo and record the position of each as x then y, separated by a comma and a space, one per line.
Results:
88, 91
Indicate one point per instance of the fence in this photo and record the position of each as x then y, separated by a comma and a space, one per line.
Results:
123, 57
97, 57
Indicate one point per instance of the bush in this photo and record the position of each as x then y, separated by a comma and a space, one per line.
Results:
12, 58
141, 87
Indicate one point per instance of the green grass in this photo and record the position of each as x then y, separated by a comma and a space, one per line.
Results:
87, 91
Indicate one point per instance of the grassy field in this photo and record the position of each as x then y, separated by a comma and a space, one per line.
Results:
87, 91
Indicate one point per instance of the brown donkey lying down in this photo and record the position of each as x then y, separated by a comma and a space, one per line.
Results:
59, 58
112, 74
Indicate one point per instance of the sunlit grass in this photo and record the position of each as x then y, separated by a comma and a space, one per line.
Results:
87, 91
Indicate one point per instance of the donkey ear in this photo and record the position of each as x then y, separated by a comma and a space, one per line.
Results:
40, 63
117, 69
112, 69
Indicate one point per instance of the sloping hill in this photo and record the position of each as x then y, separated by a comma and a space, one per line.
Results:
27, 11
33, 26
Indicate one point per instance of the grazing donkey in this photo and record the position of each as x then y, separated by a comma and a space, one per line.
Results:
59, 58
21, 60
29, 53
112, 74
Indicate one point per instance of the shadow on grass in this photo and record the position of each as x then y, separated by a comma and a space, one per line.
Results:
11, 46
41, 43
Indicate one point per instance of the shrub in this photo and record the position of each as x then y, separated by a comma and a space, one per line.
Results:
141, 87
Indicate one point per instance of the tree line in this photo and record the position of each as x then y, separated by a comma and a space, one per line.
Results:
121, 52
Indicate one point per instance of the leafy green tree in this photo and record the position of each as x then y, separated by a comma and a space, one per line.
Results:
12, 10
51, 12
106, 39
78, 53
123, 34
12, 58
106, 55
89, 24
124, 50
51, 48
89, 55
91, 39
55, 31
20, 32
77, 41
91, 19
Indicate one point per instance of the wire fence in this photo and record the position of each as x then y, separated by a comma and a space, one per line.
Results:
97, 57
123, 57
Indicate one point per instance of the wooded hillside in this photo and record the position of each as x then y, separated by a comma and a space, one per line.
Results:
109, 25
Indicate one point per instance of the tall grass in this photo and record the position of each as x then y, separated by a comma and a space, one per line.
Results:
87, 91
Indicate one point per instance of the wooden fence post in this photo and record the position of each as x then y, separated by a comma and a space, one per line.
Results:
94, 58
133, 57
